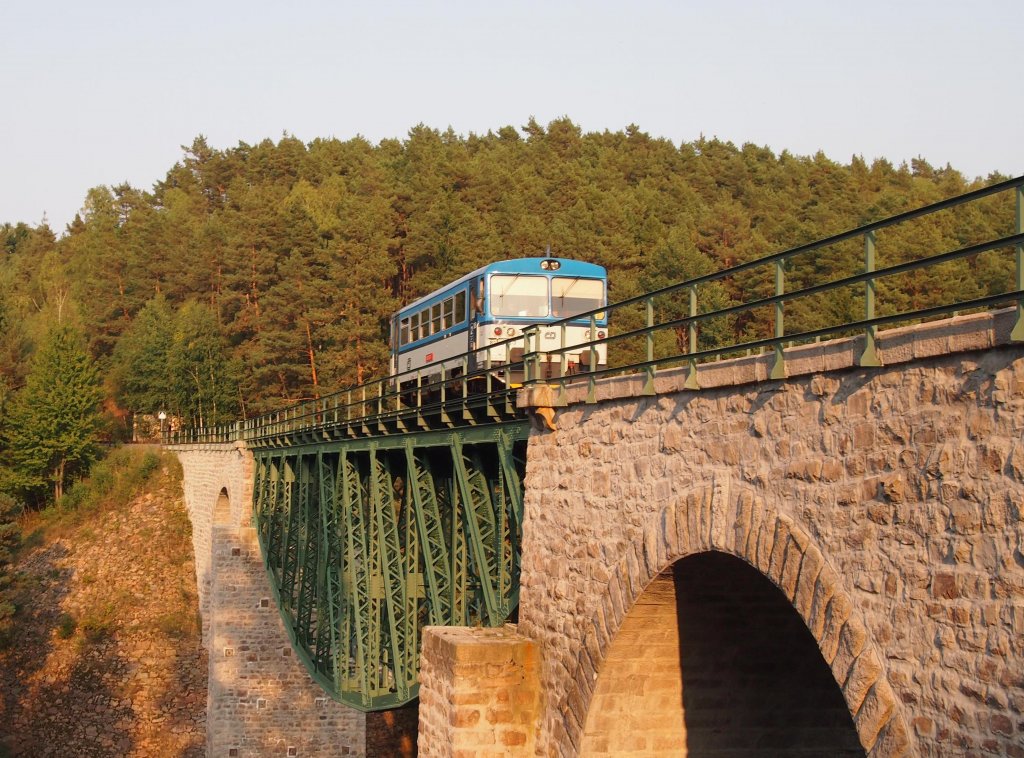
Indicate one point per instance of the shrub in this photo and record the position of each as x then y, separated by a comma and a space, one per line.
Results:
97, 627
66, 626
150, 463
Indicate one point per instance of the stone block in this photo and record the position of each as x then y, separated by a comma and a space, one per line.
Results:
852, 640
874, 714
864, 673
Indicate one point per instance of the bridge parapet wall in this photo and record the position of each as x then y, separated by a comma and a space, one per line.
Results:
885, 503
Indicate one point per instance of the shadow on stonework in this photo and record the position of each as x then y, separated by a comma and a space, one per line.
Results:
754, 682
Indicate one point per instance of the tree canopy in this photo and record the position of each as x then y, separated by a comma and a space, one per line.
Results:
253, 276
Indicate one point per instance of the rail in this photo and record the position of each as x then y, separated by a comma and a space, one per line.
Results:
682, 325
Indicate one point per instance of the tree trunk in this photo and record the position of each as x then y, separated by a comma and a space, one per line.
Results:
312, 360
58, 480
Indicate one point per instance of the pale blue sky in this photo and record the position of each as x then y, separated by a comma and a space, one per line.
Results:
107, 91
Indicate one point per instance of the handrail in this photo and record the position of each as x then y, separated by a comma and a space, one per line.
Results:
407, 396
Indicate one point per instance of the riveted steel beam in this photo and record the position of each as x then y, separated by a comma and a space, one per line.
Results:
432, 542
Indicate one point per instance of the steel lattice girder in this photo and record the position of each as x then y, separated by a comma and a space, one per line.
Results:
365, 541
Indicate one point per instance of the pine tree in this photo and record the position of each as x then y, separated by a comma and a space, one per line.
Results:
139, 370
51, 428
204, 379
10, 538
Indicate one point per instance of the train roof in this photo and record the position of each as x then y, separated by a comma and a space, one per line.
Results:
567, 267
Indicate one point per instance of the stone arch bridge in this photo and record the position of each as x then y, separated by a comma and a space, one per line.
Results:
826, 564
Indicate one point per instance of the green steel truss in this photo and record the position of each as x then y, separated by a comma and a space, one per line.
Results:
367, 541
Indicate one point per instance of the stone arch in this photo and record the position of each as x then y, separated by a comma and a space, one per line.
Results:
741, 524
222, 508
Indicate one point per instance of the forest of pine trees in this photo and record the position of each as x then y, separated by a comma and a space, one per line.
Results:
252, 277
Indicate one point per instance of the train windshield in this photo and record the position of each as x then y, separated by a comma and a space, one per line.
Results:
519, 295
572, 296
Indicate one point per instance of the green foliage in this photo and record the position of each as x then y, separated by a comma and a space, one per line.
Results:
51, 427
66, 626
256, 275
10, 539
112, 481
98, 623
139, 368
203, 384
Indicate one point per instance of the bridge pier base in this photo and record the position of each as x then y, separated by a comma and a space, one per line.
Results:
479, 693
261, 700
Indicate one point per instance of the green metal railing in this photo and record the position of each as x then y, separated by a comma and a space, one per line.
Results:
685, 297
468, 389
471, 389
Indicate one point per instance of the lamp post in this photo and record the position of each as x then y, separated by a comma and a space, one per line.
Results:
163, 417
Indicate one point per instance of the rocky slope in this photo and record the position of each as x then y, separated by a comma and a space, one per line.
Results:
107, 658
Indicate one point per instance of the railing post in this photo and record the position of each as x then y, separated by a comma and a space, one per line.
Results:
419, 396
489, 381
650, 369
591, 381
531, 348
869, 357
779, 366
691, 342
563, 364
1017, 335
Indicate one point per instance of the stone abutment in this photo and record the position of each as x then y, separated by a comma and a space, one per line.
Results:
882, 505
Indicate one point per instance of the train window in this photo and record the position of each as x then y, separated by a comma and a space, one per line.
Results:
404, 339
414, 326
519, 295
425, 323
435, 318
460, 307
477, 296
446, 313
570, 296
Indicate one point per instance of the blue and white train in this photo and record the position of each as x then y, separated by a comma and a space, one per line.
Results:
494, 304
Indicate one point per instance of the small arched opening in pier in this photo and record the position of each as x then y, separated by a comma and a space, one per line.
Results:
222, 509
713, 660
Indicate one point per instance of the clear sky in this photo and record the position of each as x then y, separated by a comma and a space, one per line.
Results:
107, 91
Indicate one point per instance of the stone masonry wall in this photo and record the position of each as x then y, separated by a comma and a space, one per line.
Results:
206, 471
885, 503
478, 693
261, 700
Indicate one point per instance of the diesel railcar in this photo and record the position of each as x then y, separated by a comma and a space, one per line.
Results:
486, 312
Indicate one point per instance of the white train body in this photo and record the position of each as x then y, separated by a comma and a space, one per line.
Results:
480, 321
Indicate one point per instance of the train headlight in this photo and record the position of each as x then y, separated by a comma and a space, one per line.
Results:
511, 332
550, 265
601, 335
497, 331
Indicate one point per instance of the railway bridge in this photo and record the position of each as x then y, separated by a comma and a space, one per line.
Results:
809, 541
